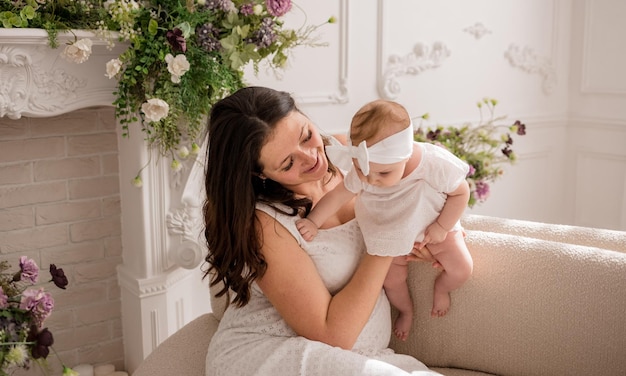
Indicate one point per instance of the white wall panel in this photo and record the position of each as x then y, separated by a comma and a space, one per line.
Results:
600, 191
604, 53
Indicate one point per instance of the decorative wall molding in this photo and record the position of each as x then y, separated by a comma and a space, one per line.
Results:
422, 58
477, 30
587, 86
36, 82
341, 95
529, 61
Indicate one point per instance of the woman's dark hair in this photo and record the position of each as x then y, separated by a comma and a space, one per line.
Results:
238, 128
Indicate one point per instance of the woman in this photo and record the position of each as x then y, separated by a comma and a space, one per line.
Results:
301, 308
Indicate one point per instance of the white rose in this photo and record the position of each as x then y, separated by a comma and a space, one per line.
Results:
177, 66
78, 52
257, 9
155, 109
113, 67
201, 2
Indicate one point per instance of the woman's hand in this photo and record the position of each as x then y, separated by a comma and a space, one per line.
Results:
422, 254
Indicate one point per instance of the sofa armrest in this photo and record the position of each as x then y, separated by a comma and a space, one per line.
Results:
182, 353
531, 307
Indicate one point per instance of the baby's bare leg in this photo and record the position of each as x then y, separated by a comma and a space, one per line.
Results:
457, 263
398, 294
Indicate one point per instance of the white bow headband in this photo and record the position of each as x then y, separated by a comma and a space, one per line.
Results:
392, 149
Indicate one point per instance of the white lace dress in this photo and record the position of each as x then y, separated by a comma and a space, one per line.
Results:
255, 340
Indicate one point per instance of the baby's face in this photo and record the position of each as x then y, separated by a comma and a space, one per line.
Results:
382, 175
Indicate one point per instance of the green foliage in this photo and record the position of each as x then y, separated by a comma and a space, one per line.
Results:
485, 146
218, 38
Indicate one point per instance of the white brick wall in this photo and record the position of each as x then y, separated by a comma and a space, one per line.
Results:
60, 203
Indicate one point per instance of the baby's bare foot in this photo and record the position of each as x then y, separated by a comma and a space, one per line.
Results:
402, 326
441, 303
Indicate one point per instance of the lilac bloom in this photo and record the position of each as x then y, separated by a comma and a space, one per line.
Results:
246, 9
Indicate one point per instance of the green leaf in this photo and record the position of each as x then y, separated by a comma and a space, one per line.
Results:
153, 27
230, 43
27, 12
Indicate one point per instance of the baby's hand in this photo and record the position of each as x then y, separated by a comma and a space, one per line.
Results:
434, 234
307, 229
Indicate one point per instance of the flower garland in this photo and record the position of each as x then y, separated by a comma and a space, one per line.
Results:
485, 146
183, 55
23, 311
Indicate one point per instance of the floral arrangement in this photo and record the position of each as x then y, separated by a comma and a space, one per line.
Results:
485, 147
183, 55
23, 309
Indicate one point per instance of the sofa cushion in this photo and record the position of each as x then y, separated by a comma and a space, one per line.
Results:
532, 307
184, 352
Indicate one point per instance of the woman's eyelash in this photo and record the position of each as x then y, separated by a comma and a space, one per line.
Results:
289, 165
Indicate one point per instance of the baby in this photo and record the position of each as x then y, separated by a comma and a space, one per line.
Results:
408, 194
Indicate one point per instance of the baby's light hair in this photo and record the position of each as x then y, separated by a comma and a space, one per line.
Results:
377, 120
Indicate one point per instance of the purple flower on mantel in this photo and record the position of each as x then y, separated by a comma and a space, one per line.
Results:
278, 8
58, 276
177, 40
28, 270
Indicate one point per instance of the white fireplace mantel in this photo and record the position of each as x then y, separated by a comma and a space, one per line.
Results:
161, 288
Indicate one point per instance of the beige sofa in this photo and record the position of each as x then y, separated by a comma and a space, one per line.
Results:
543, 300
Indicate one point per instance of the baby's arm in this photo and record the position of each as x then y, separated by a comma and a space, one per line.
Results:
327, 205
451, 212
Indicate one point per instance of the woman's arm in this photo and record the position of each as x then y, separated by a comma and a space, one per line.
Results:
293, 285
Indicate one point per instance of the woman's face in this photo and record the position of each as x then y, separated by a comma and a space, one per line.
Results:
294, 153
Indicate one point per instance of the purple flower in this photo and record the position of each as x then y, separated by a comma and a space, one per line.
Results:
43, 340
224, 5
507, 151
482, 190
28, 270
265, 35
278, 8
521, 127
208, 37
176, 40
3, 298
246, 9
472, 171
39, 303
433, 135
58, 276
